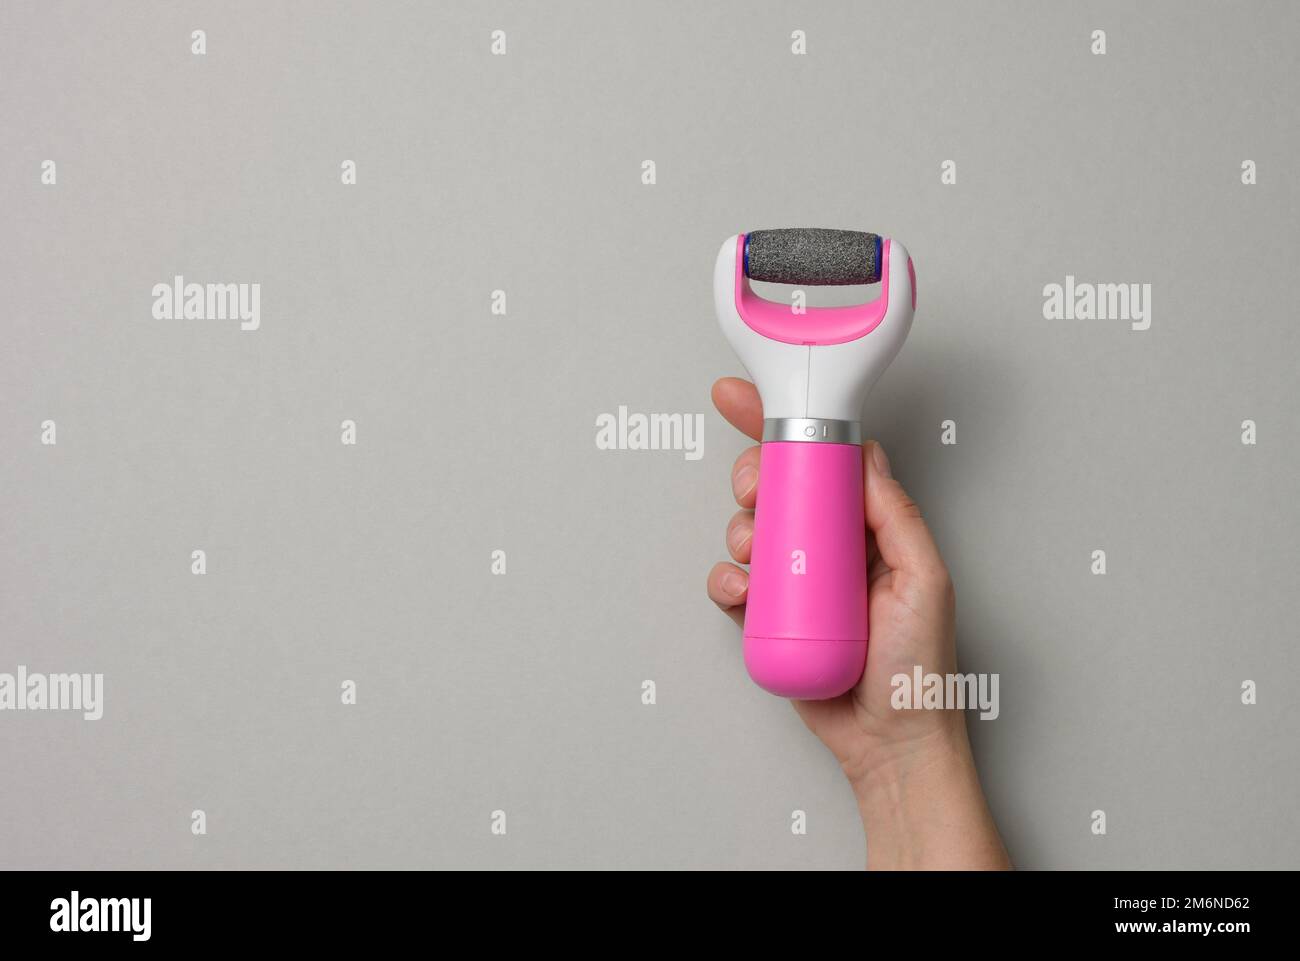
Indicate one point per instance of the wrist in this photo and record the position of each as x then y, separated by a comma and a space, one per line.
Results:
922, 806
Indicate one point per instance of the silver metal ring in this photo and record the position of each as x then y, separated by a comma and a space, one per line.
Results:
812, 429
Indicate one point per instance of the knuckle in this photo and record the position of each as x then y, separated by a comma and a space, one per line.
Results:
906, 507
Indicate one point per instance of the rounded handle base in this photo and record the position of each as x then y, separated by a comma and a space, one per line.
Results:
805, 669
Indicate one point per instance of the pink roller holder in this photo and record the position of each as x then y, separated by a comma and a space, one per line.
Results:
806, 618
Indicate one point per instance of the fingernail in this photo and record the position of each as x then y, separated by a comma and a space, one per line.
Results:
733, 583
744, 480
737, 536
880, 460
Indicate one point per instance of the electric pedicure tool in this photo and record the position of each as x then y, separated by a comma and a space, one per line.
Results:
806, 615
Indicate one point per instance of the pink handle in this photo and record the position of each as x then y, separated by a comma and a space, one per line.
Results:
806, 615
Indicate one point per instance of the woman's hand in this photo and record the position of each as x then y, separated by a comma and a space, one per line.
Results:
912, 770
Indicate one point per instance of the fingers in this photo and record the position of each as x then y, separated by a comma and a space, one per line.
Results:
740, 535
744, 478
903, 540
728, 585
737, 400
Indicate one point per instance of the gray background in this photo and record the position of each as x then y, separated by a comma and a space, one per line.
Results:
477, 432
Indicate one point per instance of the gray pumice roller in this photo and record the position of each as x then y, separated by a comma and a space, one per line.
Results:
812, 255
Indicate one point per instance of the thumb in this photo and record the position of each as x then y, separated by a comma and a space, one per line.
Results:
902, 537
